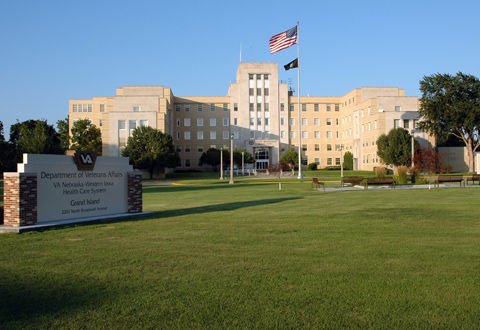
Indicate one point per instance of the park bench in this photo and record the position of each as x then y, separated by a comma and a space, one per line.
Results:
473, 178
318, 183
449, 178
353, 180
380, 181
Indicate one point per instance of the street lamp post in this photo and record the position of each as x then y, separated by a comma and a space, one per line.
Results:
413, 149
340, 148
231, 159
221, 163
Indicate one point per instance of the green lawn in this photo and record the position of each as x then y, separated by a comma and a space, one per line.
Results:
248, 255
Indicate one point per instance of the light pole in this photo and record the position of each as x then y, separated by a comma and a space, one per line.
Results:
243, 163
221, 163
413, 150
231, 159
340, 148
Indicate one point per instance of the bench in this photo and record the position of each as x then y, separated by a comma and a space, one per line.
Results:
353, 180
449, 178
380, 181
473, 178
318, 183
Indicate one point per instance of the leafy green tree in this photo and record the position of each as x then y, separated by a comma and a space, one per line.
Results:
62, 130
86, 136
35, 137
290, 157
395, 148
150, 149
8, 157
451, 105
348, 161
212, 157
247, 157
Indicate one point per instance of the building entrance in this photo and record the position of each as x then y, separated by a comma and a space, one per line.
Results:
262, 159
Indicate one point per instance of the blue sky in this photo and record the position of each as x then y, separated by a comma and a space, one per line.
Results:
51, 51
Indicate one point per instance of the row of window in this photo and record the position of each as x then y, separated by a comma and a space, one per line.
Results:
316, 121
200, 107
316, 134
187, 135
316, 107
187, 122
82, 108
406, 123
132, 124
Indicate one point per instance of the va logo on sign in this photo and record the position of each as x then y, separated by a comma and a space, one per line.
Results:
85, 160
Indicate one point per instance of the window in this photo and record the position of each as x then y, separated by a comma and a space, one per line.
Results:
329, 121
316, 121
375, 124
259, 91
186, 122
259, 121
199, 108
329, 161
266, 106
329, 147
396, 123
317, 161
101, 123
89, 107
282, 134
292, 135
398, 108
199, 135
266, 122
317, 134
304, 135
121, 124
136, 108
304, 107
186, 135
236, 135
336, 121
304, 121
292, 121
282, 121
212, 107
177, 107
187, 107
259, 107
337, 161
291, 107
200, 149
213, 135
235, 107
102, 107
337, 107
178, 149
329, 107
317, 147
251, 107
225, 122
199, 122
304, 147
329, 134
235, 121
315, 107
178, 122
187, 148
225, 107
187, 162
213, 122
74, 108
406, 123
282, 107
144, 123
252, 122
178, 135
226, 135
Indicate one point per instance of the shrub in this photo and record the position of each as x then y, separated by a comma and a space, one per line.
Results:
312, 167
332, 168
415, 176
380, 171
348, 161
401, 176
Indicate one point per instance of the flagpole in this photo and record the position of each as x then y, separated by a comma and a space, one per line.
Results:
300, 176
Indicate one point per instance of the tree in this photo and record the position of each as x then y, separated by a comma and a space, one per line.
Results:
62, 130
212, 157
35, 137
150, 149
86, 136
395, 148
8, 158
428, 160
348, 161
451, 105
247, 157
290, 157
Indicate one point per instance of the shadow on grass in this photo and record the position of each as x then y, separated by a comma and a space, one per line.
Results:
220, 207
162, 189
27, 299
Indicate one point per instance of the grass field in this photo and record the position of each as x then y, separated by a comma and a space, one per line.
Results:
248, 255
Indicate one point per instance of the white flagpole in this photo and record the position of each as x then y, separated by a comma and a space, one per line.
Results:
299, 117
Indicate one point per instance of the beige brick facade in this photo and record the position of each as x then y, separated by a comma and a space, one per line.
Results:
262, 117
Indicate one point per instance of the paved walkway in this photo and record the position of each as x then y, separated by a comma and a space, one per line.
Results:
420, 186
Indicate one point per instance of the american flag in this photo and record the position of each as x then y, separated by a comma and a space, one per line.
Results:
283, 40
